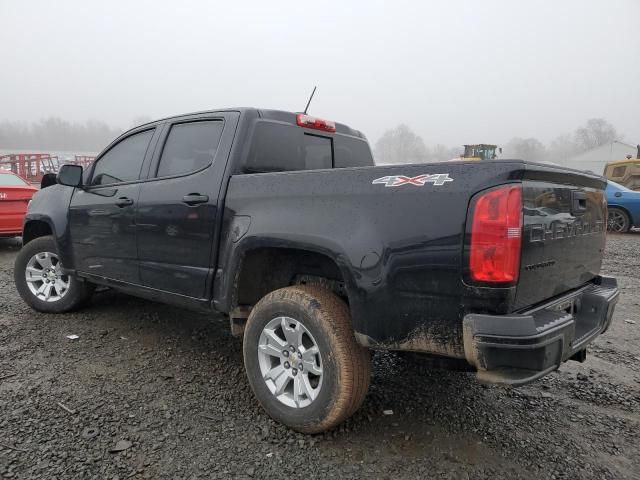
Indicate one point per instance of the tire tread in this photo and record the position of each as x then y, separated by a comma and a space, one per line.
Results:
353, 360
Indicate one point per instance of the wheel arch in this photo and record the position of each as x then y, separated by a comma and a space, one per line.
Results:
37, 228
262, 269
258, 269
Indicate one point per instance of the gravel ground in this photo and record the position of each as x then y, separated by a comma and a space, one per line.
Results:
167, 387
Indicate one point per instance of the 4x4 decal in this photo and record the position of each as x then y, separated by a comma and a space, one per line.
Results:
419, 181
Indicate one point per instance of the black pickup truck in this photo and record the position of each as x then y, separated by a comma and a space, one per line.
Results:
282, 222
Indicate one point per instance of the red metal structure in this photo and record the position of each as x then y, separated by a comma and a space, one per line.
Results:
30, 166
83, 160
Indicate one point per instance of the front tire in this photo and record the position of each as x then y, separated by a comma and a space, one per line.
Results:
302, 359
618, 220
42, 284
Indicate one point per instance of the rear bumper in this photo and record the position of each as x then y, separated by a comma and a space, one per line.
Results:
519, 348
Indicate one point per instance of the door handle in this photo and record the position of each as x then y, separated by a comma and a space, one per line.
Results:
124, 202
195, 199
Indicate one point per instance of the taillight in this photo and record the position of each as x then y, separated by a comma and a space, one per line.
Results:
308, 121
496, 235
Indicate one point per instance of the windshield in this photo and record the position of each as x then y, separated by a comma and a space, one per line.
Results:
8, 179
481, 151
489, 153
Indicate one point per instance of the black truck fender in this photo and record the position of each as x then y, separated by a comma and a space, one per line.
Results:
256, 265
55, 222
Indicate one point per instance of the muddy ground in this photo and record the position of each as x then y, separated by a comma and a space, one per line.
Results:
171, 383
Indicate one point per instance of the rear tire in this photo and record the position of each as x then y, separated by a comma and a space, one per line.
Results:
302, 320
618, 220
41, 283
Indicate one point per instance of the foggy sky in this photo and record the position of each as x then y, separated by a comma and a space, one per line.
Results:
454, 71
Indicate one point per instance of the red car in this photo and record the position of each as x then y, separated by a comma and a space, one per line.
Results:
15, 195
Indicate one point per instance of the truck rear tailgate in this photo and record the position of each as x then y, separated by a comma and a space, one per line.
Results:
563, 238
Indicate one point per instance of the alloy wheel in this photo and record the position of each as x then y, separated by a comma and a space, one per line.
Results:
616, 221
290, 362
45, 278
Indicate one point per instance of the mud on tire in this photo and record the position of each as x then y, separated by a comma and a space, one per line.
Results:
345, 365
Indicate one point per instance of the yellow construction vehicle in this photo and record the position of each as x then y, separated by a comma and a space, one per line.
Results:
625, 172
481, 151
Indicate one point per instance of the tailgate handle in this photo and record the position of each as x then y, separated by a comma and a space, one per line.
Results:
578, 202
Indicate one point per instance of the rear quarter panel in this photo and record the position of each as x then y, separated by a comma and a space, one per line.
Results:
399, 248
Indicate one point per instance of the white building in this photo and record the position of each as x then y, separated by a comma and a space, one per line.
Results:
597, 158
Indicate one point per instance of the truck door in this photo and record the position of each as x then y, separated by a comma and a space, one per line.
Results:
178, 204
102, 215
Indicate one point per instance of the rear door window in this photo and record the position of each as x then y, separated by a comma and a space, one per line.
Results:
190, 147
122, 163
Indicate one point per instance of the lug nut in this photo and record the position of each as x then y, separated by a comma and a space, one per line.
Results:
294, 371
286, 365
292, 348
300, 367
285, 353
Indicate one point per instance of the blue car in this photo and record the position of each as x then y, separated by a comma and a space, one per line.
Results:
624, 208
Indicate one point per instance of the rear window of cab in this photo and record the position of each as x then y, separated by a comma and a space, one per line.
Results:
277, 147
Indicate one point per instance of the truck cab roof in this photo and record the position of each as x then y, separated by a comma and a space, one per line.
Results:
276, 141
280, 116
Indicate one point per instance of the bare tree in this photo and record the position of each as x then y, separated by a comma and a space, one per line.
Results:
596, 132
441, 153
526, 149
56, 134
562, 147
400, 145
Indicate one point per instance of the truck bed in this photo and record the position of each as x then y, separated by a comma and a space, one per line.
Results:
402, 248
